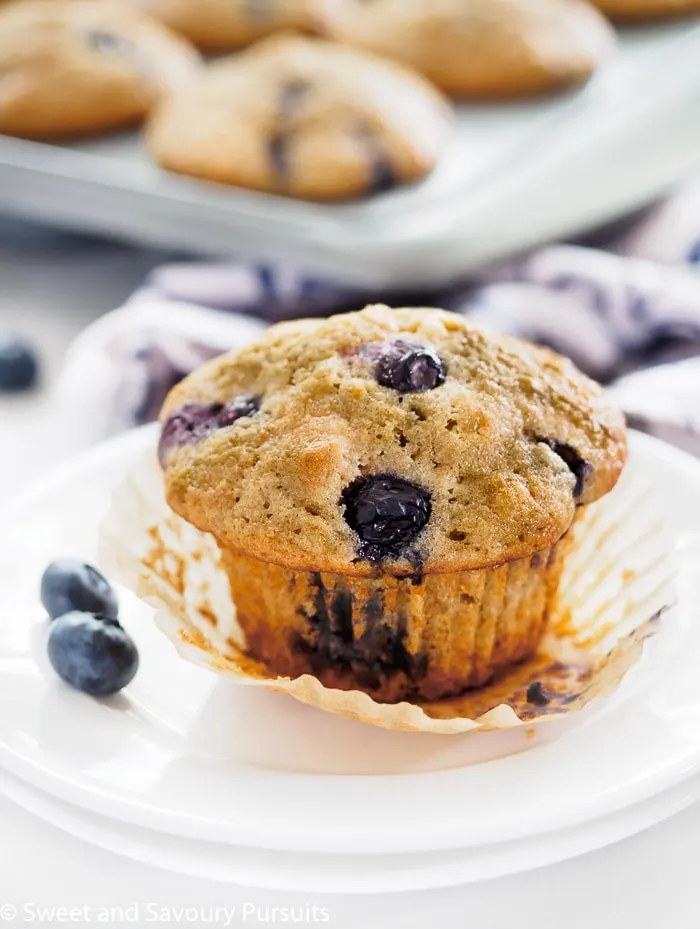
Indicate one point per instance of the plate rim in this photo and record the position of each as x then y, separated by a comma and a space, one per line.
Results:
448, 869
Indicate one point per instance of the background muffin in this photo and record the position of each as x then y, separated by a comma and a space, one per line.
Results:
76, 67
392, 491
305, 118
479, 48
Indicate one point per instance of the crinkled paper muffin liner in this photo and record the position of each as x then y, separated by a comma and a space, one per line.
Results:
617, 582
375, 634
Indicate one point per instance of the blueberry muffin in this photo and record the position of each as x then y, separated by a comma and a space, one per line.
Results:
304, 118
479, 48
647, 9
392, 492
223, 25
72, 68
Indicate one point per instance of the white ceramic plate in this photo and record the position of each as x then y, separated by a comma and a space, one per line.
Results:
188, 753
516, 175
323, 873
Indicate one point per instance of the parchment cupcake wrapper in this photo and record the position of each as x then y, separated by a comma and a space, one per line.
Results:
473, 624
617, 584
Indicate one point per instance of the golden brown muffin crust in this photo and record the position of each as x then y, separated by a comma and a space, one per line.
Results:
480, 48
482, 444
304, 118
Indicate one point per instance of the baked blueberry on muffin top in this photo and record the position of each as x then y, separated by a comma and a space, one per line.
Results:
391, 491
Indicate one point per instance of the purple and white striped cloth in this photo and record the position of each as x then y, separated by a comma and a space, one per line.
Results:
625, 307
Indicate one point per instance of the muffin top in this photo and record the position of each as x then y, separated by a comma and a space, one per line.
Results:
398, 440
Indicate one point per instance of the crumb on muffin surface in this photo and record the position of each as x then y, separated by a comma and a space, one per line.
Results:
501, 438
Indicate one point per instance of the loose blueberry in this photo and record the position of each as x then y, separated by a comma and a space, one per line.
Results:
93, 655
194, 421
408, 367
69, 585
18, 364
387, 513
579, 467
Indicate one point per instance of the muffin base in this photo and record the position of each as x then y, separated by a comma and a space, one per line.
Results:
396, 638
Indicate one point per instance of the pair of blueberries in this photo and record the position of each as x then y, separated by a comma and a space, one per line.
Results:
19, 367
87, 646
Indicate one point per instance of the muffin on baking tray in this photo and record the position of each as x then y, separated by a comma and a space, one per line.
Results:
221, 25
392, 492
479, 48
76, 67
304, 118
647, 9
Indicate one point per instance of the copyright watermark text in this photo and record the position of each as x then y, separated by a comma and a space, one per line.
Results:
162, 914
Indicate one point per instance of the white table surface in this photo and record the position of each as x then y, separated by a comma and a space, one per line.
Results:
49, 288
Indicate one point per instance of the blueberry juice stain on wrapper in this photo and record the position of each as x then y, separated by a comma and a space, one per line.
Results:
393, 493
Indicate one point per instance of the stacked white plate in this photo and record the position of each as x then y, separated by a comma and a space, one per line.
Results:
200, 776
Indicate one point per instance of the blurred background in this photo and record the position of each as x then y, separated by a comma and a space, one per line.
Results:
174, 175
